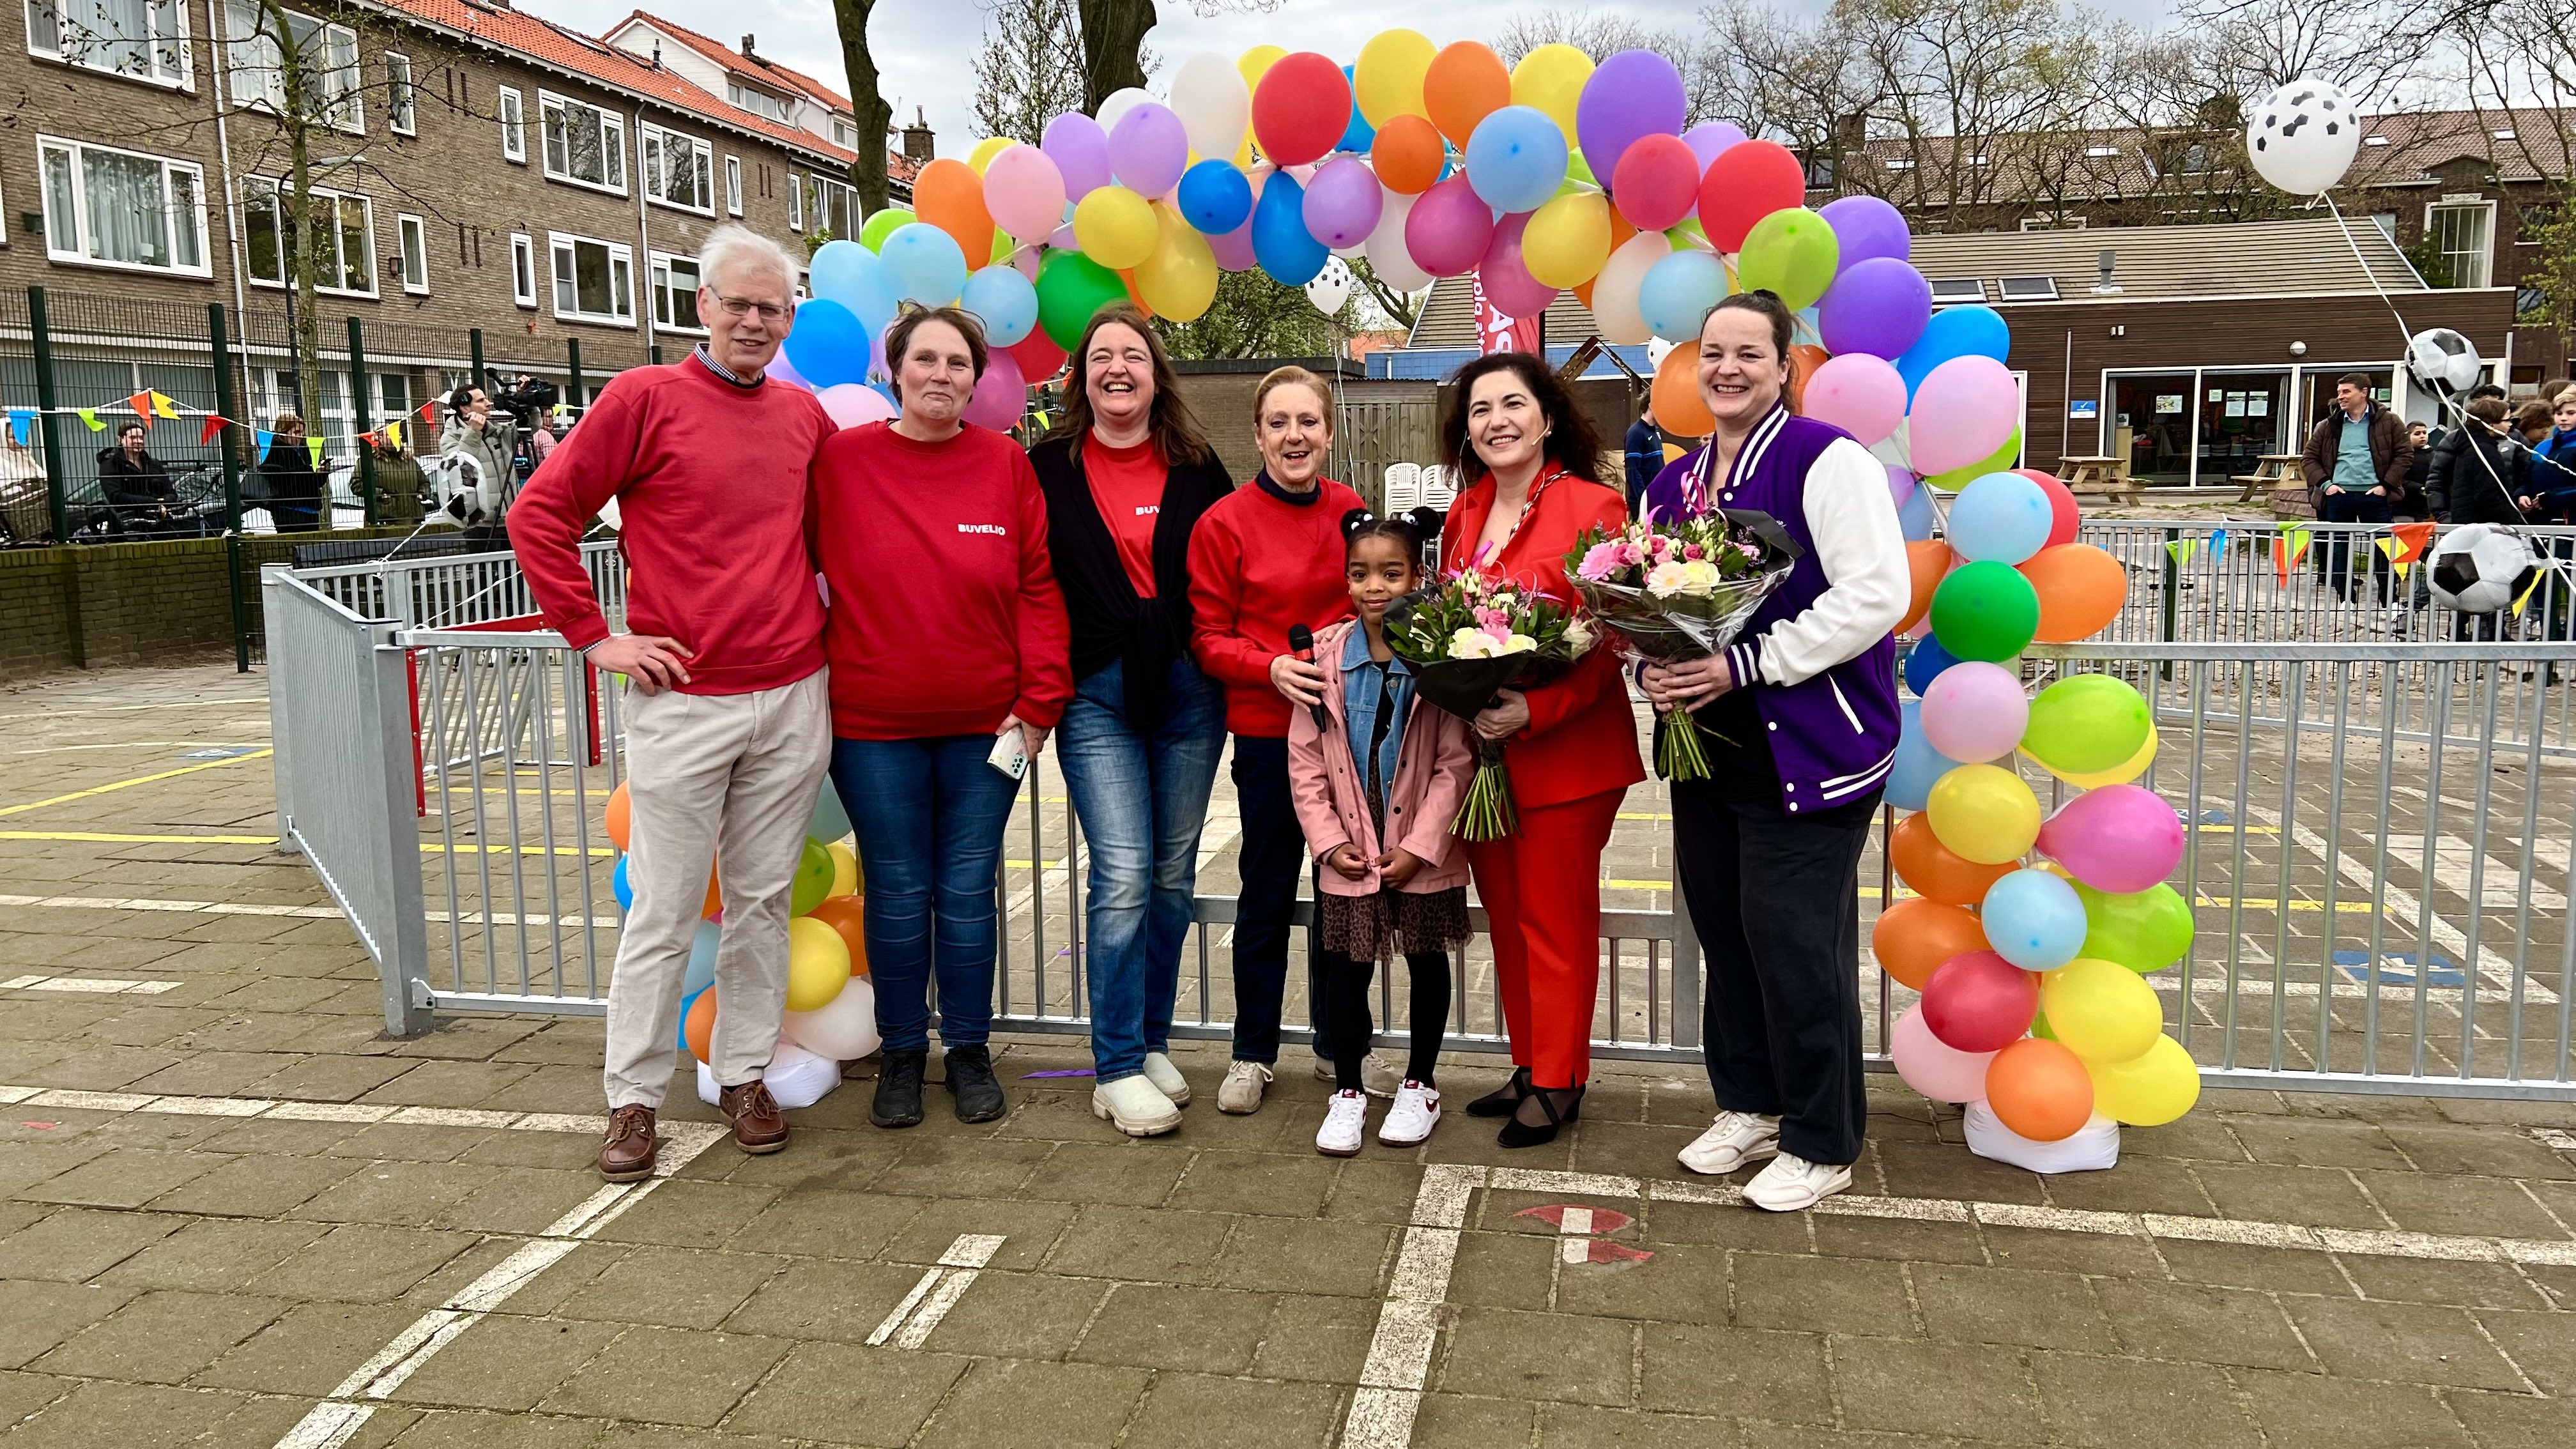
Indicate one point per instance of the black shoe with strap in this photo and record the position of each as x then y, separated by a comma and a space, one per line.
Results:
1501, 1101
1557, 1105
898, 1100
971, 1082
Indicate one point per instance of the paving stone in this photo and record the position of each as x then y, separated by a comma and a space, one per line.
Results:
409, 1142
103, 1414
1454, 1421
406, 1194
2240, 1265
1987, 1305
1942, 1170
1164, 1245
2436, 1280
1705, 1369
1029, 1230
2308, 1411
1259, 1183
162, 1337
258, 1185
828, 1298
214, 1073
309, 1350
23, 1394
519, 1200
2191, 1323
1135, 1173
1821, 1295
878, 1396
212, 1254
2138, 1184
1551, 1357
2515, 1421
673, 1287
962, 1167
127, 1177
1626, 1148
1677, 1285
74, 1244
1164, 1326
334, 1078
2133, 1403
42, 1315
681, 1377
2262, 1192
94, 1068
1286, 1256
280, 1137
1937, 1388
1369, 1190
1736, 1227
2401, 1342
1188, 1411
460, 1429
361, 1263
1506, 1270
1580, 1426
685, 1214
1015, 1404
2486, 1207
818, 1224
1316, 1338
1030, 1315
2500, 1151
2543, 1344
506, 1362
2310, 1142
1897, 1239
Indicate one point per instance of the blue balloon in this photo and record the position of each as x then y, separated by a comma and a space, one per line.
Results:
2004, 517
827, 345
1677, 292
1280, 241
1516, 159
618, 887
924, 264
701, 972
1954, 332
1007, 304
1924, 663
1215, 197
1359, 135
1915, 515
830, 821
2034, 920
686, 1001
1909, 780
848, 273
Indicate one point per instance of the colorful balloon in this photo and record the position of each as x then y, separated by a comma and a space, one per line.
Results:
1024, 192
1408, 154
1955, 332
1743, 185
843, 1029
1001, 395
1516, 158
1550, 78
828, 346
2034, 920
1868, 229
1985, 611
880, 225
2151, 1090
1710, 139
1935, 872
1357, 133
2103, 1012
1790, 253
1179, 280
1675, 393
853, 405
1300, 109
1342, 203
2119, 839
818, 965
1633, 94
2065, 519
949, 194
1860, 394
1918, 766
925, 265
698, 1023
1963, 410
855, 276
1568, 240
1933, 1067
1213, 103
2146, 930
2000, 516
1280, 241
1148, 150
2080, 589
1215, 197
1463, 85
2119, 774
1975, 712
1984, 813
2087, 722
1928, 561
1509, 287
1449, 228
1979, 1002
2040, 1090
1387, 81
1913, 938
1615, 291
1925, 662
1071, 287
1677, 293
617, 818
1385, 246
1079, 147
1878, 305
1114, 227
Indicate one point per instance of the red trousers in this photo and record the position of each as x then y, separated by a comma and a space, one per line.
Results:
1541, 889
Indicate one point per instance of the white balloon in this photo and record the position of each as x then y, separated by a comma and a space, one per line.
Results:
796, 1077
1119, 104
843, 1028
1656, 350
1614, 292
1386, 250
1331, 287
1209, 96
2304, 136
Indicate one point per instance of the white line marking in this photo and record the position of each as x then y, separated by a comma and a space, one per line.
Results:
300, 913
1571, 1231
2552, 1137
910, 1325
1408, 1322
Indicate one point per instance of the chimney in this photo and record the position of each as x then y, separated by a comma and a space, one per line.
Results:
746, 46
1851, 132
917, 140
657, 52
2107, 287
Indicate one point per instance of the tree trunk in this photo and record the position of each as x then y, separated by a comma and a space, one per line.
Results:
1113, 47
303, 248
868, 173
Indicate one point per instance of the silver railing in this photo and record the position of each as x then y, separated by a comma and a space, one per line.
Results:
448, 591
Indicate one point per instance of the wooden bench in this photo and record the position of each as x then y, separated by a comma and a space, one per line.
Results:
2100, 477
2271, 470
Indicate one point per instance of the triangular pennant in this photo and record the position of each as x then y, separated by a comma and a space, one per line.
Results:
141, 402
393, 434
2528, 590
2414, 539
164, 406
214, 426
2402, 568
2281, 559
2180, 550
2298, 540
369, 439
429, 412
21, 422
314, 446
90, 416
2388, 546
2217, 544
262, 440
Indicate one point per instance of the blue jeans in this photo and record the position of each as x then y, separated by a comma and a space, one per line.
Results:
929, 815
1142, 799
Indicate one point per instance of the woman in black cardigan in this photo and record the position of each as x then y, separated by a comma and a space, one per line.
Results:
1126, 477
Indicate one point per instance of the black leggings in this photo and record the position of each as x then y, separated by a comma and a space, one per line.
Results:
1346, 1008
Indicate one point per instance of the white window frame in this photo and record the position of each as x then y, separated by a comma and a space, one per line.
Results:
662, 282
620, 259
411, 243
157, 48
258, 68
759, 102
367, 206
513, 111
2486, 251
795, 200
523, 269
658, 145
821, 190
611, 124
81, 234
733, 186
402, 99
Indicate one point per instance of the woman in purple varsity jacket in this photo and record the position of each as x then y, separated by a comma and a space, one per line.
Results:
1801, 724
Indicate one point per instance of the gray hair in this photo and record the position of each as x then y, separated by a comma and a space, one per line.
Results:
732, 249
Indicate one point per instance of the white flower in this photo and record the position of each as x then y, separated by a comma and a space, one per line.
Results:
1472, 644
1578, 635
1518, 644
1699, 576
1668, 578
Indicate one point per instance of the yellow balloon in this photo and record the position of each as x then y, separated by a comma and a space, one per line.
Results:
818, 963
1179, 280
1551, 78
1984, 813
2101, 1011
986, 149
1567, 240
2149, 1091
1114, 227
845, 869
2116, 775
1253, 64
1387, 81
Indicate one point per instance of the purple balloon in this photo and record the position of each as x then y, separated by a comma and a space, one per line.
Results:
1708, 138
1234, 248
1867, 227
1900, 485
1343, 203
1148, 150
1878, 307
1449, 229
1079, 149
1634, 93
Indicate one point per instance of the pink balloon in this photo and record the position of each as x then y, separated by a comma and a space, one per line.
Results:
1979, 1002
1933, 1067
852, 404
1962, 413
1001, 396
1234, 249
784, 371
1862, 395
1024, 192
1974, 712
1343, 203
1657, 182
2118, 839
1508, 284
1449, 229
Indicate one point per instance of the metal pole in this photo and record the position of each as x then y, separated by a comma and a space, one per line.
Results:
56, 481
362, 421
224, 405
233, 580
2173, 592
474, 340
572, 358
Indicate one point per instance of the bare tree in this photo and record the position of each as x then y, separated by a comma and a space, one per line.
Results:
1113, 41
867, 107
1030, 69
1795, 79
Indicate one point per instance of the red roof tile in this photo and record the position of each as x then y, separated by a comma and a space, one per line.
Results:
734, 60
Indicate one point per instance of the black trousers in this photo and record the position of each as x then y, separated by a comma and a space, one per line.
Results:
1270, 857
2335, 557
1346, 998
1775, 899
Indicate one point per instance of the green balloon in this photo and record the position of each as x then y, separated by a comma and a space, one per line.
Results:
1791, 252
2039, 1026
1071, 287
2145, 931
874, 231
1578, 169
2087, 723
1986, 610
813, 878
2000, 461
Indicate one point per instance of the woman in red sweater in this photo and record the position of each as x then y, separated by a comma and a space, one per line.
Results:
952, 644
1531, 460
1266, 559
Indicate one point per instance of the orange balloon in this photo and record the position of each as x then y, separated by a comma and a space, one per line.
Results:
1408, 154
1678, 410
2080, 591
1934, 872
1914, 937
2040, 1090
950, 196
715, 896
1930, 560
1465, 84
619, 816
1804, 359
848, 916
699, 1026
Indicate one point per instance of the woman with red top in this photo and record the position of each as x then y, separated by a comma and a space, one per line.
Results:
1531, 461
951, 640
1265, 560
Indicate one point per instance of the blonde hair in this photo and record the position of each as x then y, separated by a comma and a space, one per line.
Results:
1291, 376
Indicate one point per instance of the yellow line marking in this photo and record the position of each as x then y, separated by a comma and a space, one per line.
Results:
138, 780
601, 852
105, 838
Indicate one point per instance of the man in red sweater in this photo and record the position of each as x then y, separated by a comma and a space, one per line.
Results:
728, 725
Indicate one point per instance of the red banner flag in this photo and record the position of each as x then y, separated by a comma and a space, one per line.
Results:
142, 404
2412, 539
214, 426
1498, 333
429, 411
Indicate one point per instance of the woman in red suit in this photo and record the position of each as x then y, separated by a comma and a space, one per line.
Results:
1531, 462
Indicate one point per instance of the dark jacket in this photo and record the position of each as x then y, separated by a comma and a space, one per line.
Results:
1111, 625
2390, 449
2467, 489
2415, 502
399, 485
290, 474
1645, 460
134, 487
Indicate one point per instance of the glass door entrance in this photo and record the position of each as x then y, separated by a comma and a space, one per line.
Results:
2240, 421
2151, 426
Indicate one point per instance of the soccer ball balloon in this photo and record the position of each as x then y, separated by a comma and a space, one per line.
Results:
2304, 136
2480, 568
2443, 360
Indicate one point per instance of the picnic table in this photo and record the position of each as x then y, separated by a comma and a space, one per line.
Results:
2103, 476
2271, 472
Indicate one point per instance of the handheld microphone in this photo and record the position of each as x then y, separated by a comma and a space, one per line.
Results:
1301, 644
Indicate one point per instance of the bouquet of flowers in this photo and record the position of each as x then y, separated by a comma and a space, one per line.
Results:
1468, 639
1678, 591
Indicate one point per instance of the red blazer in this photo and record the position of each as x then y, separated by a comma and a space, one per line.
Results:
1582, 734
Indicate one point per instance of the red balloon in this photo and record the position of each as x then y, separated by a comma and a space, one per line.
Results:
1979, 1002
2065, 517
1301, 108
1657, 182
1038, 356
1747, 182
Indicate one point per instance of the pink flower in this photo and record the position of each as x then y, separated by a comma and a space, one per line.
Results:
1630, 554
1693, 551
1599, 561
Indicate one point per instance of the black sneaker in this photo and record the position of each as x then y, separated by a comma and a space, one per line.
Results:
970, 1080
898, 1102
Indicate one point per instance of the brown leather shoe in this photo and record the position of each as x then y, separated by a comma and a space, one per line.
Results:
627, 1155
758, 1124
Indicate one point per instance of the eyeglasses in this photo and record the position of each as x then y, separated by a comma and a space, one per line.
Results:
743, 307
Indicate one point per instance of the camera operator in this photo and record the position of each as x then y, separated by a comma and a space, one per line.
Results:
140, 497
482, 433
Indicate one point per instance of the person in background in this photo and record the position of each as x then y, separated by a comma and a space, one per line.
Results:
296, 488
2357, 459
1645, 455
1268, 558
489, 438
2410, 505
399, 484
542, 438
2532, 420
727, 710
136, 485
2549, 497
2480, 474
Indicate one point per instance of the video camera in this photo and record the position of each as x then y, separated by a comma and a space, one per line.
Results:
524, 398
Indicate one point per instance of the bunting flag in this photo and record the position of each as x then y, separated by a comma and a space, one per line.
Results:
141, 402
164, 406
2412, 539
2217, 544
314, 446
367, 438
393, 434
2388, 546
21, 422
90, 417
2180, 551
2290, 546
214, 428
262, 441
429, 411
2528, 590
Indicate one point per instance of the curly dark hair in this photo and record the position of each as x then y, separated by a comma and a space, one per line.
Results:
1571, 442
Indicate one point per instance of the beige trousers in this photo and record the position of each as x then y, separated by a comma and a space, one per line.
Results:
738, 771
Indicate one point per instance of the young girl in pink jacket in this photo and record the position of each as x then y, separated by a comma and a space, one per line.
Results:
1377, 782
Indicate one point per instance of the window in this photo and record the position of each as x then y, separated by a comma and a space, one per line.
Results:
1946, 292
2460, 233
2027, 289
142, 39
415, 253
2374, 140
844, 134
2101, 151
345, 250
399, 110
2195, 158
523, 271
594, 280
514, 127
795, 202
122, 208
675, 293
831, 205
2052, 221
1820, 173
2386, 221
678, 171
327, 55
2529, 301
585, 145
733, 186
759, 103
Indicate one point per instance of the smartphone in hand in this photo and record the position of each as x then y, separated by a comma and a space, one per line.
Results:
1010, 753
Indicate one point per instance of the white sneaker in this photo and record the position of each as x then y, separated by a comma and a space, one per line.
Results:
1240, 1093
1378, 1076
1135, 1106
1345, 1123
1738, 1138
1167, 1079
1792, 1183
1409, 1122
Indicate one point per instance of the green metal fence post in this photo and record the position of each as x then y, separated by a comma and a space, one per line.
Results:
241, 601
57, 475
363, 421
2173, 592
474, 340
572, 357
222, 340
